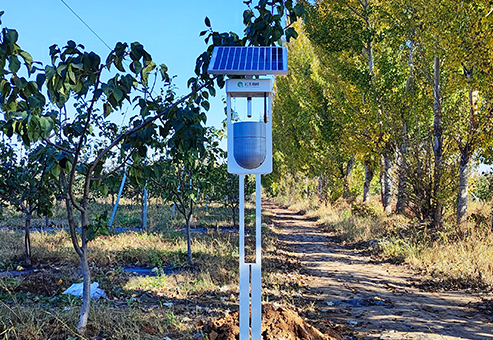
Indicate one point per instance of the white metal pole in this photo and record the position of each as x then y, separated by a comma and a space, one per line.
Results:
144, 218
172, 212
118, 198
257, 266
244, 269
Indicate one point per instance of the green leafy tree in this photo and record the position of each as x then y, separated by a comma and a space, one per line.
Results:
75, 73
457, 49
184, 174
309, 133
23, 184
345, 37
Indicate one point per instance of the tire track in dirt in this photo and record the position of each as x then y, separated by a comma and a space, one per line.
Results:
377, 299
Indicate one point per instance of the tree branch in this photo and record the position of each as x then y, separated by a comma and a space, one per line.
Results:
78, 150
116, 169
61, 148
144, 124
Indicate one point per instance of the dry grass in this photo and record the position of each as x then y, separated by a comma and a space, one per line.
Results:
11, 249
214, 253
33, 322
452, 258
134, 309
461, 265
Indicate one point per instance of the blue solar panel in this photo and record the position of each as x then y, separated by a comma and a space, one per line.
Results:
251, 60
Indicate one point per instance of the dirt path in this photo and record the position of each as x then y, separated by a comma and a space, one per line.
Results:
377, 299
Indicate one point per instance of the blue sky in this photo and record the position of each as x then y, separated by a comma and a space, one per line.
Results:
169, 30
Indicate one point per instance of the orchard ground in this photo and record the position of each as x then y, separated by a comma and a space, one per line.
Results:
316, 267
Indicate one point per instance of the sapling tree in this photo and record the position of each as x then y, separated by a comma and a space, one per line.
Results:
80, 73
75, 73
183, 174
23, 185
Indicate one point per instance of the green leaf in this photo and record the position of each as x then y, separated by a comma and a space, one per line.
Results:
136, 67
11, 36
191, 81
143, 151
50, 71
205, 104
56, 170
71, 75
6, 90
291, 33
21, 83
91, 233
104, 190
164, 72
299, 10
119, 65
40, 79
46, 124
136, 51
118, 94
104, 230
207, 22
247, 17
27, 59
14, 64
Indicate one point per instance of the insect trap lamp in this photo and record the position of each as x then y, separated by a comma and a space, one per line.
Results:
249, 103
249, 111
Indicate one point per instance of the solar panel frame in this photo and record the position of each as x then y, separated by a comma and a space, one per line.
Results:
248, 60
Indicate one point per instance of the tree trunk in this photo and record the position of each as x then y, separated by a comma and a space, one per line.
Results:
322, 189
437, 147
86, 273
349, 170
369, 173
466, 154
82, 252
70, 216
27, 239
465, 162
86, 291
143, 211
189, 240
401, 203
387, 186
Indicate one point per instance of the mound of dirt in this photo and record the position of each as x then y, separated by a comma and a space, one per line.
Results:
277, 323
42, 283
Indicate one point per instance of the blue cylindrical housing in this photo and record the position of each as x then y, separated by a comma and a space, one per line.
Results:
249, 144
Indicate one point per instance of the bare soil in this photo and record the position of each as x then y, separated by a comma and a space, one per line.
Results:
277, 323
378, 299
